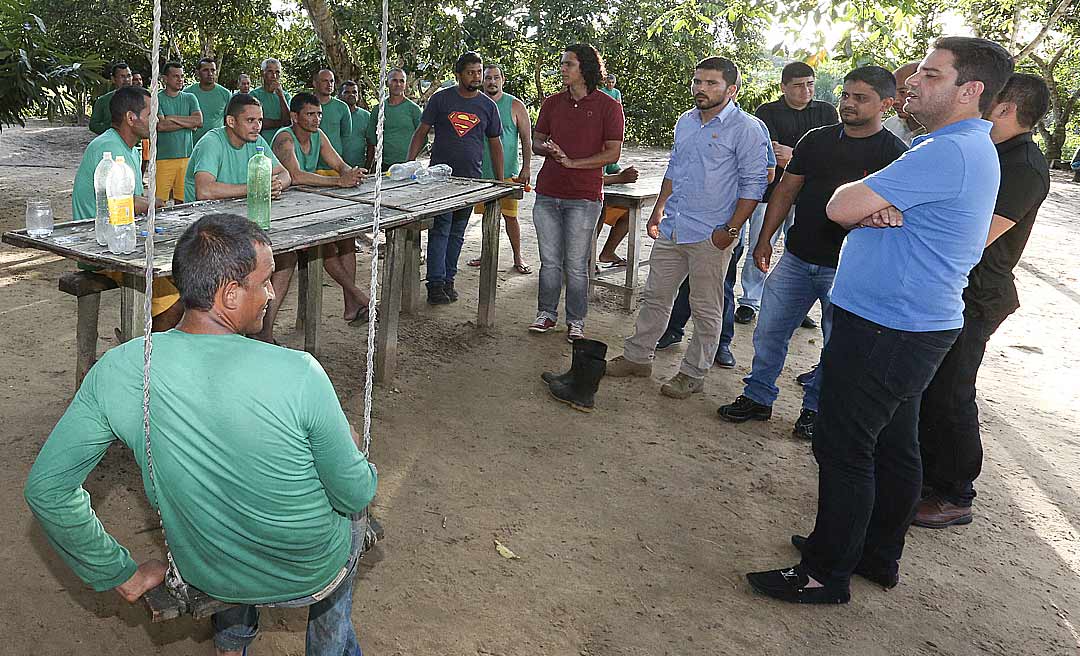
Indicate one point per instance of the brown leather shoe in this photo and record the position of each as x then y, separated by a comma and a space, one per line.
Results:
935, 512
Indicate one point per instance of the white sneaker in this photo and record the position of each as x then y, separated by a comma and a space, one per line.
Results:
574, 332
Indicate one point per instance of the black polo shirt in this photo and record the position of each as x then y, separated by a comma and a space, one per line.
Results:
827, 158
1025, 183
787, 125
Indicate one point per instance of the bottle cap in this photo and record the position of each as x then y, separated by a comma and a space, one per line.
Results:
259, 149
120, 159
106, 155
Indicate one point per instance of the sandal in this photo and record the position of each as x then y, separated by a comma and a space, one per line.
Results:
362, 316
617, 262
523, 269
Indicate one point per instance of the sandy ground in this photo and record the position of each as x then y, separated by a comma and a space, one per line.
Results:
634, 523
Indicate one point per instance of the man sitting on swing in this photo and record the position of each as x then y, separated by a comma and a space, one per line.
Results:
255, 481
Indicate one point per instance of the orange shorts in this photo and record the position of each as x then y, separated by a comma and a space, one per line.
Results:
613, 214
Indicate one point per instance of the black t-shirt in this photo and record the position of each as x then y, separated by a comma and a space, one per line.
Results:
828, 158
787, 125
1025, 183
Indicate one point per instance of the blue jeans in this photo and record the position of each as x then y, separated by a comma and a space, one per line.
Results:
329, 630
680, 311
564, 233
445, 238
790, 291
866, 442
752, 278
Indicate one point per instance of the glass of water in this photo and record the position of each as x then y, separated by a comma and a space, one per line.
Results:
39, 218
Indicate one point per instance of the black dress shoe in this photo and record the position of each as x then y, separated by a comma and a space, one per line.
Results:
807, 322
744, 314
667, 340
724, 359
743, 408
884, 578
790, 585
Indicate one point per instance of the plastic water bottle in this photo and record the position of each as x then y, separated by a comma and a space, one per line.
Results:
432, 174
120, 189
101, 219
404, 170
260, 174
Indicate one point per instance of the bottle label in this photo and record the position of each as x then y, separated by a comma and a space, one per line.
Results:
121, 211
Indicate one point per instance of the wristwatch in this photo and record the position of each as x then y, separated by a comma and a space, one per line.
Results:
734, 232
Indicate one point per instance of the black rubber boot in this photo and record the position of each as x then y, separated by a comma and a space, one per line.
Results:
587, 368
581, 347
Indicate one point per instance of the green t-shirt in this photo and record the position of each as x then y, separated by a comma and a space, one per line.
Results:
253, 477
355, 151
336, 123
215, 155
83, 198
178, 143
614, 93
271, 107
509, 139
212, 103
398, 127
101, 116
309, 161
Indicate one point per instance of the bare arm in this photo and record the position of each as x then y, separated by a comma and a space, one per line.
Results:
652, 228
776, 211
541, 144
174, 123
496, 156
419, 140
853, 202
347, 175
999, 225
610, 154
208, 188
286, 118
524, 126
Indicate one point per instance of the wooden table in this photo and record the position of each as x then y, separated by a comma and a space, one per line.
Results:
633, 197
302, 220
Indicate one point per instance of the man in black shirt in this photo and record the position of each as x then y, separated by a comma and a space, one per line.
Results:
949, 417
788, 119
824, 159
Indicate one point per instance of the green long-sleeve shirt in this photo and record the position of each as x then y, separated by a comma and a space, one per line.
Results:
255, 468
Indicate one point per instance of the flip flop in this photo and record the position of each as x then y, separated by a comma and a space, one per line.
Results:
523, 269
617, 262
474, 262
362, 316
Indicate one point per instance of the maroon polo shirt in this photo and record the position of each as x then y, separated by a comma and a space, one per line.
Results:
580, 127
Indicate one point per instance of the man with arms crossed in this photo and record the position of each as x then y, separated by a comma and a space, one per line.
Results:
242, 528
897, 309
336, 118
179, 117
717, 173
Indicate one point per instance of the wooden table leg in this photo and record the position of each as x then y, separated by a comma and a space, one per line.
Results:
131, 306
632, 258
489, 266
86, 335
312, 267
301, 290
411, 294
386, 336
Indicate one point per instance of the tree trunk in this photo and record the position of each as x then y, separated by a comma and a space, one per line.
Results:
337, 53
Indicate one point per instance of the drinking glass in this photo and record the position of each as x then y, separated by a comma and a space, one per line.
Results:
39, 218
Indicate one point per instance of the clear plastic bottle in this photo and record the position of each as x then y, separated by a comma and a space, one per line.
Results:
404, 170
120, 189
259, 177
101, 219
431, 174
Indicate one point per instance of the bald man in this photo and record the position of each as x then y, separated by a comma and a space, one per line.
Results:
902, 124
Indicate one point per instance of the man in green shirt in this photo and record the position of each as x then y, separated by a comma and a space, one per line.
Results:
302, 148
243, 83
100, 116
336, 117
402, 119
179, 117
274, 99
608, 87
218, 169
354, 150
212, 97
130, 109
241, 527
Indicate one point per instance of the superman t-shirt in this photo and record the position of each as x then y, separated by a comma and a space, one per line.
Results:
461, 126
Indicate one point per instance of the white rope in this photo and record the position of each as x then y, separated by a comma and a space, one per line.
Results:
375, 229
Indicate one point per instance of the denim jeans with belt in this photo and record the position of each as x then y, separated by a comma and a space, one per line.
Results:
445, 238
790, 291
330, 630
866, 443
564, 233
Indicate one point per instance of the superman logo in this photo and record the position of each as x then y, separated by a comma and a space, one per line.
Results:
463, 122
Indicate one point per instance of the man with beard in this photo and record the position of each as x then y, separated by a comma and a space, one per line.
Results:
897, 308
824, 159
299, 148
218, 169
212, 97
101, 116
716, 174
516, 126
336, 117
463, 120
902, 124
401, 120
273, 98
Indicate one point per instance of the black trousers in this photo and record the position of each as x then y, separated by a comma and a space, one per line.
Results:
866, 444
949, 437
680, 310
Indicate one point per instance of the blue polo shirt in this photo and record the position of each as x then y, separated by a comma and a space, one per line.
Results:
712, 166
912, 278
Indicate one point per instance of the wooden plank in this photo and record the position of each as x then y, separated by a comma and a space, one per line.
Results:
386, 337
489, 267
301, 290
412, 297
86, 335
313, 300
644, 190
128, 309
632, 258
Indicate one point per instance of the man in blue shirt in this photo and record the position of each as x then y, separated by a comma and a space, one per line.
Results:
897, 308
715, 178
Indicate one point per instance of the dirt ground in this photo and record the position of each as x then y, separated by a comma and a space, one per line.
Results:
634, 524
